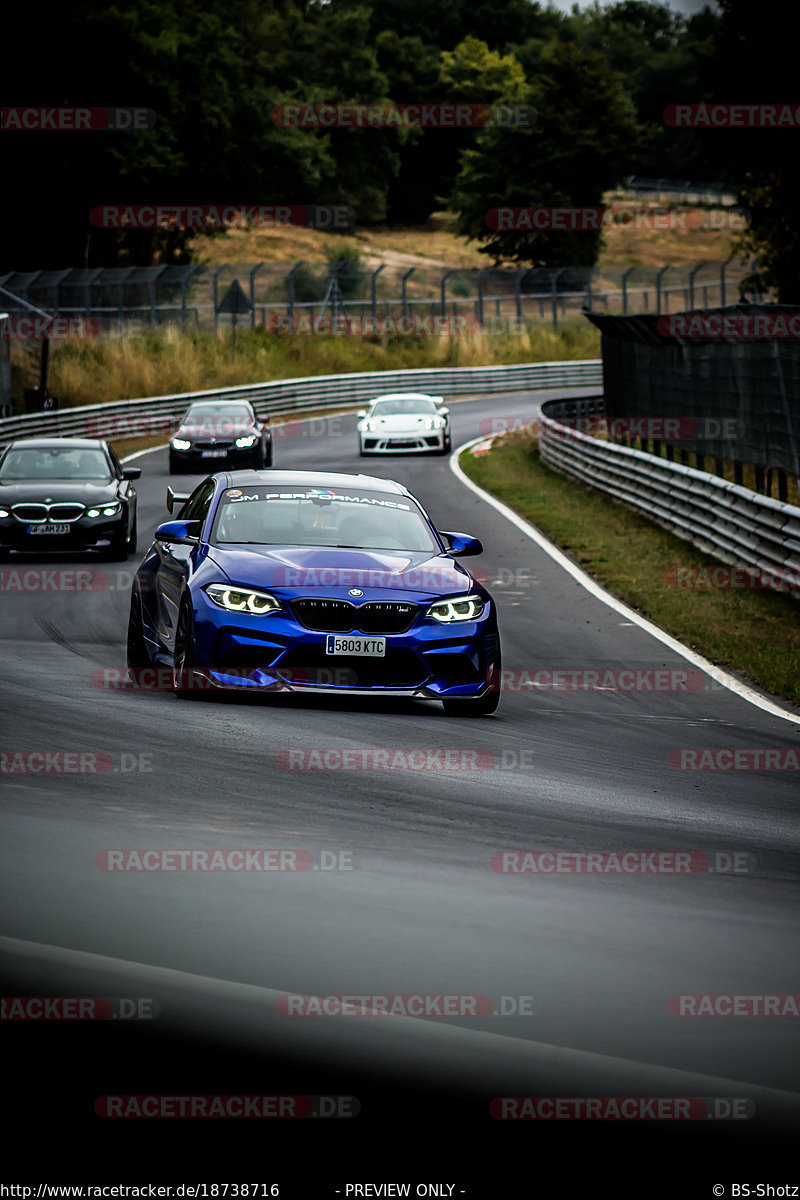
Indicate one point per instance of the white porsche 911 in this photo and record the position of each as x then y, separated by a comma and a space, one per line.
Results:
404, 422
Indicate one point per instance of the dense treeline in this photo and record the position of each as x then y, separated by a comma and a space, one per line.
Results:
214, 72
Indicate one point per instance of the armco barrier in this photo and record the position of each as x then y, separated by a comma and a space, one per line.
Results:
728, 521
313, 393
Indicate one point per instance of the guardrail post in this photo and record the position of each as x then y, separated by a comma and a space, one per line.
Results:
553, 281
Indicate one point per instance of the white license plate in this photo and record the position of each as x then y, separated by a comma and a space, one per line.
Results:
362, 647
48, 529
213, 453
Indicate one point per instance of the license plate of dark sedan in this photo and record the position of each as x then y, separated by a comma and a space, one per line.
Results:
48, 529
213, 453
360, 646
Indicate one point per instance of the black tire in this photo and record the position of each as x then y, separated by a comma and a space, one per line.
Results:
133, 538
137, 656
268, 455
484, 706
175, 466
5, 553
184, 679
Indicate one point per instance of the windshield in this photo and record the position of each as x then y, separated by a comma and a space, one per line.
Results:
218, 415
55, 462
346, 517
395, 408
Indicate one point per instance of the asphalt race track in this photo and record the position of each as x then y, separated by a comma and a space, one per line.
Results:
404, 899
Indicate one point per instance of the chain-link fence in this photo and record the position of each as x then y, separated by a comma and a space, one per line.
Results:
300, 296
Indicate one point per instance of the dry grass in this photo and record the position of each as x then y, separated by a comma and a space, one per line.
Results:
167, 361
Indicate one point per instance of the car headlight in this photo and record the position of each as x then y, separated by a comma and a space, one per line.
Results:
249, 440
447, 611
435, 423
4, 512
369, 426
107, 510
242, 599
181, 444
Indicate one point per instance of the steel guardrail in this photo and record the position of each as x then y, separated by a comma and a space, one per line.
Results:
730, 522
310, 393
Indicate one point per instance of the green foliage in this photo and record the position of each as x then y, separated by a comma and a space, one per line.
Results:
580, 146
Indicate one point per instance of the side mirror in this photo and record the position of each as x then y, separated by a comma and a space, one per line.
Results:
131, 472
362, 412
186, 532
174, 498
443, 412
461, 543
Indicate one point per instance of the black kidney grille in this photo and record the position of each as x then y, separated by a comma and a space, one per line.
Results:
385, 616
339, 616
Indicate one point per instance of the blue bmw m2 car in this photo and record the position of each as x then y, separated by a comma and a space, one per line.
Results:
304, 581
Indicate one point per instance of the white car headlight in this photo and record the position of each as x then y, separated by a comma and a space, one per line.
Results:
4, 512
248, 440
181, 444
447, 611
107, 510
435, 423
369, 426
242, 599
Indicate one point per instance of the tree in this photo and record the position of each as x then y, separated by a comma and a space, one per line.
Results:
578, 148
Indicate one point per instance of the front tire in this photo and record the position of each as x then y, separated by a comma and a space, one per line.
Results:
184, 676
137, 657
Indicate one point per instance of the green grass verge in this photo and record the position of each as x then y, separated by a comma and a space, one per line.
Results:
753, 633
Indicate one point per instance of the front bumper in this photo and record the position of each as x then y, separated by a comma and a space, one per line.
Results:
276, 653
85, 534
230, 457
403, 443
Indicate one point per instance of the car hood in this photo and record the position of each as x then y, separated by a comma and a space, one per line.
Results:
66, 489
334, 572
413, 421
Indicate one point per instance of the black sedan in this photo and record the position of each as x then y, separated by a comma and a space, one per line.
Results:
220, 434
66, 494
